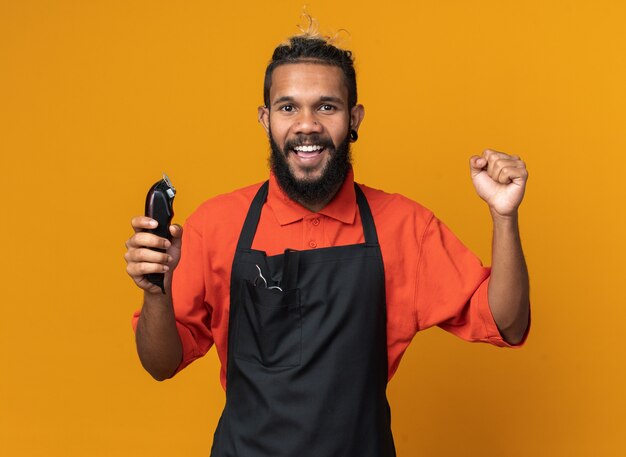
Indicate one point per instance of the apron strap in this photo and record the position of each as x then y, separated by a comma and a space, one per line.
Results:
254, 215
369, 228
252, 219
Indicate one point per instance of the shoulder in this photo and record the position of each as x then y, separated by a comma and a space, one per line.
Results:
224, 210
395, 208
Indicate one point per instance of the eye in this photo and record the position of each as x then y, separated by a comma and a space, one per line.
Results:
287, 108
327, 107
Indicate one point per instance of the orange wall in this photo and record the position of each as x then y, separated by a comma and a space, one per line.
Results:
98, 98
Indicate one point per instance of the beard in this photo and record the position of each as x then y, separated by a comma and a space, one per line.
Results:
311, 191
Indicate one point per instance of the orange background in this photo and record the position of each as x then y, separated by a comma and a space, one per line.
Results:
98, 98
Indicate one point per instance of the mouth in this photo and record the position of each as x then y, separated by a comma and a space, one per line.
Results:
309, 151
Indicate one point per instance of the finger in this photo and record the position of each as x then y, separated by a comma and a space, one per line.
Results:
150, 240
501, 164
495, 167
176, 231
477, 163
142, 223
492, 156
136, 269
489, 154
510, 174
177, 236
147, 255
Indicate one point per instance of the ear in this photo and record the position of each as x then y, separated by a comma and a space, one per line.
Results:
357, 113
263, 114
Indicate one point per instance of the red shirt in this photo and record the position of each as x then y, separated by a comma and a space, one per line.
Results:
431, 278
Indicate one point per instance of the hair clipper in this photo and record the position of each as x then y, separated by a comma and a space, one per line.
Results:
159, 206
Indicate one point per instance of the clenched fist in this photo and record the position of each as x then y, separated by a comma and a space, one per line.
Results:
500, 180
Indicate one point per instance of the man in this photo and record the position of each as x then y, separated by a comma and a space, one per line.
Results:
311, 287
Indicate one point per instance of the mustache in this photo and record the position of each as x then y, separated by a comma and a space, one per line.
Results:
301, 140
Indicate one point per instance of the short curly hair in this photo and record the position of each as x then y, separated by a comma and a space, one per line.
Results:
312, 49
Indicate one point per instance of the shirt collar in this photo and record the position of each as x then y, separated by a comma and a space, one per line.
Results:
342, 207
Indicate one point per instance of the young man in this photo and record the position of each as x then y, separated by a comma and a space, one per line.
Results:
312, 287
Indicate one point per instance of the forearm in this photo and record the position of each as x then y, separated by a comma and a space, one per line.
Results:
508, 285
158, 342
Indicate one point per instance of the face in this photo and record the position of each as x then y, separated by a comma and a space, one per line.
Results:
309, 120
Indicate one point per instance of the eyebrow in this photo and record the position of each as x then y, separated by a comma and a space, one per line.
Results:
323, 98
328, 98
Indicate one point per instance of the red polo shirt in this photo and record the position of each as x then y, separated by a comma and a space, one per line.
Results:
431, 278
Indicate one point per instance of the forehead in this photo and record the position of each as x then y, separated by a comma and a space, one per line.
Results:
308, 80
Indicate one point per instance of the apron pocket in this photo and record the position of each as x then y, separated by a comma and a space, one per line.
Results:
269, 326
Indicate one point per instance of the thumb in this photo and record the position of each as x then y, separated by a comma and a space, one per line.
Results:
177, 233
477, 164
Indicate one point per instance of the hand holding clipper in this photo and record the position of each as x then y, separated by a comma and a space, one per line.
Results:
159, 206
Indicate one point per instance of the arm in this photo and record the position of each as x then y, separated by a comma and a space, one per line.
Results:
500, 180
158, 343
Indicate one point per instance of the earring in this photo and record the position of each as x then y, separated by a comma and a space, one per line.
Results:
353, 135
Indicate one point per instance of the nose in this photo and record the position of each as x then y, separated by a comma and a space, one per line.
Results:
307, 123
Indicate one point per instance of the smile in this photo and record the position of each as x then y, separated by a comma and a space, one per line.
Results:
308, 148
308, 151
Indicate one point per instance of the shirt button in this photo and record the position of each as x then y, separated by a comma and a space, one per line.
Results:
313, 244
315, 221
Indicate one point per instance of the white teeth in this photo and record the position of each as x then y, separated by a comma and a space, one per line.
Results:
308, 148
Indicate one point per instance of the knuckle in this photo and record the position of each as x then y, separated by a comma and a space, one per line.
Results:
134, 240
135, 222
138, 255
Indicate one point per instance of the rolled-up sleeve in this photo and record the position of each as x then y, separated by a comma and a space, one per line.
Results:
452, 289
192, 313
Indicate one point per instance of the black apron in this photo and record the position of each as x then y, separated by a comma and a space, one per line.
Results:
307, 350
